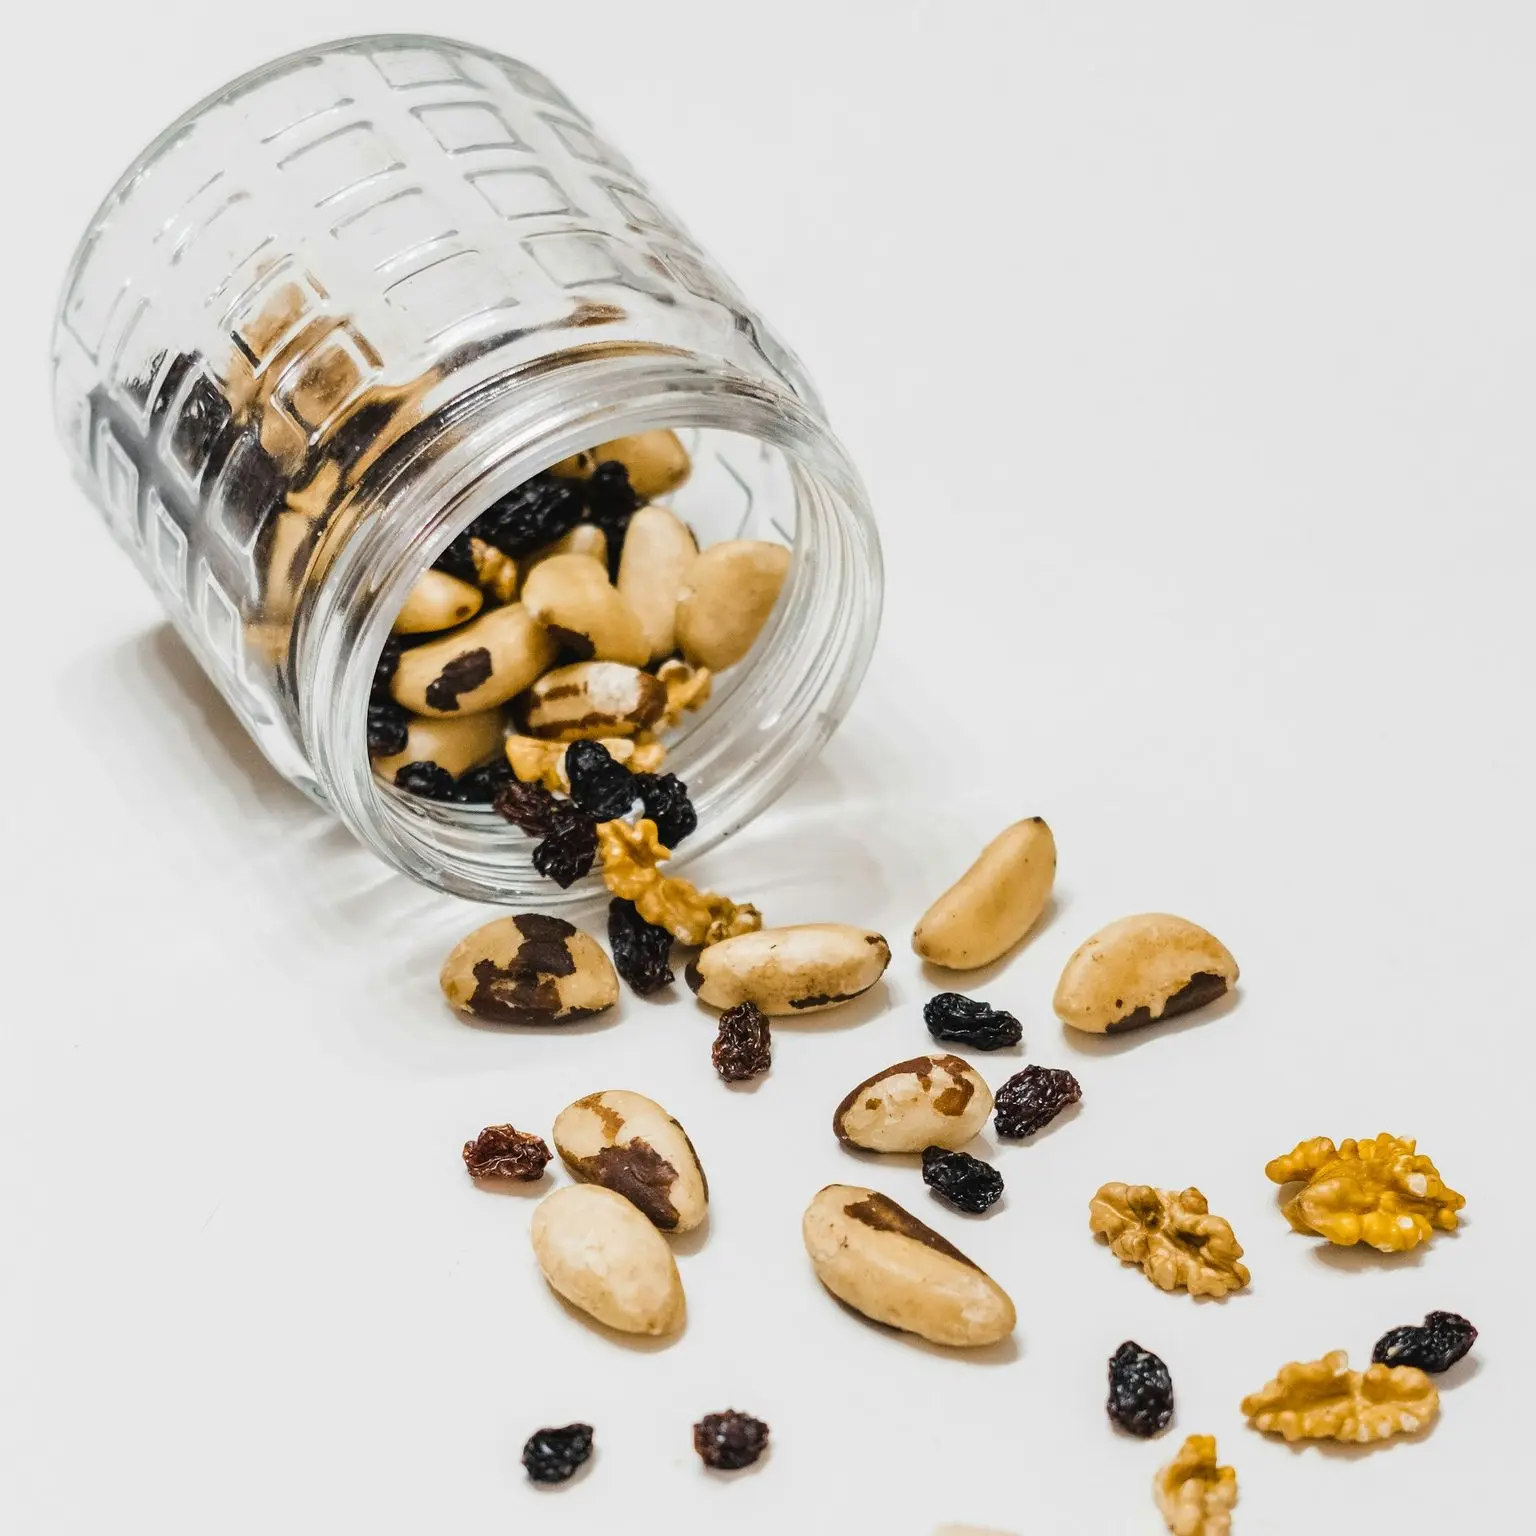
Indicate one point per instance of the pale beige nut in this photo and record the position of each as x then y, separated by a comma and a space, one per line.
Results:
529, 969
456, 744
631, 858
882, 1261
597, 1251
436, 601
1380, 1191
930, 1101
1140, 970
631, 1145
994, 903
657, 462
572, 596
536, 761
688, 688
725, 599
791, 971
1171, 1235
497, 574
592, 699
1325, 1400
492, 659
584, 539
1195, 1495
658, 549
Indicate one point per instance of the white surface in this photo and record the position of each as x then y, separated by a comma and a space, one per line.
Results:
1188, 351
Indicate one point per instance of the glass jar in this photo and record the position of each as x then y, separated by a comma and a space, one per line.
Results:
437, 280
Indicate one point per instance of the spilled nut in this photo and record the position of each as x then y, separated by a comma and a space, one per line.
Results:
994, 903
591, 699
788, 971
1140, 970
529, 969
930, 1101
882, 1261
725, 598
631, 1145
571, 595
492, 659
1194, 1494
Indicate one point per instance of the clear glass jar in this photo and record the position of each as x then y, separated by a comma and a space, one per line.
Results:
439, 280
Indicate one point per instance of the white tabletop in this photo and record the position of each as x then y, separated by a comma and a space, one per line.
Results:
1189, 353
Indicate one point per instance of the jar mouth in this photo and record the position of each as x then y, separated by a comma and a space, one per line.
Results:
772, 712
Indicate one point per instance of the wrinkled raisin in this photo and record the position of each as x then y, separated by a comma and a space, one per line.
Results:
1437, 1345
426, 780
667, 804
729, 1441
641, 950
743, 1047
953, 1016
553, 1455
504, 1152
1140, 1390
388, 728
964, 1181
481, 785
602, 788
529, 807
1031, 1099
536, 513
570, 835
459, 557
611, 502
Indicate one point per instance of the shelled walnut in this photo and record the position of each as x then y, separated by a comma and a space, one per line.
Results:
631, 856
1172, 1236
1325, 1400
1195, 1495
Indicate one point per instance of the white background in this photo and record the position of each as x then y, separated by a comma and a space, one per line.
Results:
1189, 352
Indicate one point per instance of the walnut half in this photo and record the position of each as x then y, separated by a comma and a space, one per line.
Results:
631, 856
1378, 1191
1173, 1236
1325, 1400
1195, 1495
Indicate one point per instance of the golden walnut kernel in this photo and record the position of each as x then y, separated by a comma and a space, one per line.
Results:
1325, 1400
1195, 1495
536, 761
1377, 1191
1173, 1236
630, 856
688, 688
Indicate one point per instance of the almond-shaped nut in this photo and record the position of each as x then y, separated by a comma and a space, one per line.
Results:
590, 699
930, 1101
994, 903
725, 599
456, 744
598, 1252
529, 969
631, 1145
572, 596
584, 539
657, 461
437, 601
790, 971
1140, 970
658, 549
885, 1263
492, 659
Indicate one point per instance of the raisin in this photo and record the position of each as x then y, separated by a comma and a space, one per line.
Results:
570, 835
964, 1181
602, 788
529, 807
504, 1152
553, 1455
384, 670
1437, 1345
481, 785
387, 728
426, 780
1031, 1099
729, 1441
1140, 1390
953, 1016
459, 558
611, 502
641, 950
536, 513
667, 804
743, 1047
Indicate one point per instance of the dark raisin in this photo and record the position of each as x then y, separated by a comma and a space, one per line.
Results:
729, 1441
384, 670
1140, 1390
641, 950
553, 1455
536, 513
964, 1181
426, 780
504, 1152
1437, 1345
1031, 1099
459, 558
570, 849
743, 1047
611, 502
953, 1016
529, 807
387, 728
481, 785
667, 804
603, 788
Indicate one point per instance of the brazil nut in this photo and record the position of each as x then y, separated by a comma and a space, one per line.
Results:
529, 969
930, 1101
572, 596
788, 971
437, 601
725, 598
492, 659
590, 699
456, 744
658, 549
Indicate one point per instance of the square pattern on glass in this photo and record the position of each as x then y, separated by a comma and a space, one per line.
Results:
461, 126
521, 194
450, 291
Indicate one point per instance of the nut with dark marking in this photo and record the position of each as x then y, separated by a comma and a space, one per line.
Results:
882, 1261
529, 969
631, 1145
436, 601
591, 699
571, 594
477, 667
930, 1101
790, 971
